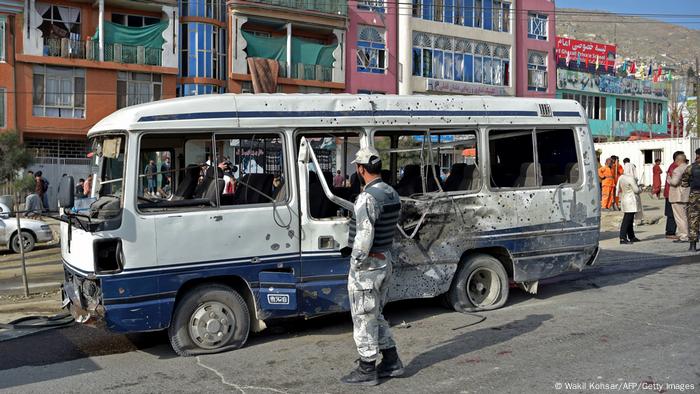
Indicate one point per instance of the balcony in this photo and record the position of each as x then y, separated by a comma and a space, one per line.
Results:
306, 72
334, 7
89, 50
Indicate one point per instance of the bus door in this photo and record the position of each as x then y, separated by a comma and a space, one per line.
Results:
325, 223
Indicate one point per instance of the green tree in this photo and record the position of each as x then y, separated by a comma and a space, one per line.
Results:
13, 155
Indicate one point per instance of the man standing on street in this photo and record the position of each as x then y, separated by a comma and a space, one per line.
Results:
376, 214
656, 180
691, 179
668, 210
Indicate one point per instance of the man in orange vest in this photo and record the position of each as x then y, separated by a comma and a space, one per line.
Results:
607, 181
617, 171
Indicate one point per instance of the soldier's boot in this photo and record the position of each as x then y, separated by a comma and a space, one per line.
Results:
364, 374
692, 247
391, 365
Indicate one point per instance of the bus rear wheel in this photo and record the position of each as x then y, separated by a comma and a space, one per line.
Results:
480, 284
209, 319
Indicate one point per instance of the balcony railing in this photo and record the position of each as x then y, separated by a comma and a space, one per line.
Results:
312, 72
120, 53
335, 7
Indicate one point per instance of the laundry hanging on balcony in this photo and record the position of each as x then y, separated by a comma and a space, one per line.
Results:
148, 36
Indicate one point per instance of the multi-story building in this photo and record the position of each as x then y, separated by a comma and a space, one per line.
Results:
371, 64
616, 107
203, 47
535, 42
68, 64
308, 39
457, 47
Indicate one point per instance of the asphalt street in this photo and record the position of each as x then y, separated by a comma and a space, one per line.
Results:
635, 324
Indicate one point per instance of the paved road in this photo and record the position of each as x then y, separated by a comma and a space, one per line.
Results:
635, 323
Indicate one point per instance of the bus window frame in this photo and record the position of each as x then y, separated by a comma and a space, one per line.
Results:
533, 133
285, 166
441, 130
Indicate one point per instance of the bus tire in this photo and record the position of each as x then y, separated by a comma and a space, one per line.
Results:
28, 242
209, 319
480, 284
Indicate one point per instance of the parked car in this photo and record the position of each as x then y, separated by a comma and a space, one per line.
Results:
33, 231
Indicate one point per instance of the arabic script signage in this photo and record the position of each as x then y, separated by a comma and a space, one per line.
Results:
576, 80
588, 52
456, 87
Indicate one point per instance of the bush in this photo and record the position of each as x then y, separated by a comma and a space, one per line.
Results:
13, 155
25, 184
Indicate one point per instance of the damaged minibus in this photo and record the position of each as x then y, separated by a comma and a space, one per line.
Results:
215, 214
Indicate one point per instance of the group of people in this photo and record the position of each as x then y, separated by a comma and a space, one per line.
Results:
151, 173
682, 194
620, 192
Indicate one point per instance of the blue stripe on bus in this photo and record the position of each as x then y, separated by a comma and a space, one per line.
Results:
573, 114
326, 114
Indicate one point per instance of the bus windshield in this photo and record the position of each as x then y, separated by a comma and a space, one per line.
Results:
108, 153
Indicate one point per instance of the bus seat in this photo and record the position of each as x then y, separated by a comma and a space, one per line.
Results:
410, 182
212, 190
472, 177
572, 171
248, 186
456, 178
430, 184
527, 176
202, 188
185, 190
319, 204
386, 176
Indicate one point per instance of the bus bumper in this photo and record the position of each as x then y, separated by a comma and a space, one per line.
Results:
82, 297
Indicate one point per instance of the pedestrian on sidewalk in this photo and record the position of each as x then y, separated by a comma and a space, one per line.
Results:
678, 197
628, 190
376, 208
668, 211
656, 179
691, 179
631, 170
607, 182
617, 171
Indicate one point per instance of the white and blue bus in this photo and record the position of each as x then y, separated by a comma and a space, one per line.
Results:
217, 213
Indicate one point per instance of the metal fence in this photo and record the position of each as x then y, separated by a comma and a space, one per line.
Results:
53, 168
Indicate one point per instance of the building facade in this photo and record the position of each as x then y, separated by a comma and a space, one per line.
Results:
457, 47
617, 107
371, 61
307, 40
535, 42
203, 46
68, 64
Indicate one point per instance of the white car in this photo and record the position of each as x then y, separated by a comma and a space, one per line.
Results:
33, 231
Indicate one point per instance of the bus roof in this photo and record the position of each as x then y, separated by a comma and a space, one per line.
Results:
217, 111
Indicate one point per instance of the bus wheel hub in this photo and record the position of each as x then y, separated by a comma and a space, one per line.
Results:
211, 325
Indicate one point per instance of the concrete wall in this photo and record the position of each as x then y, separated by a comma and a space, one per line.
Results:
388, 21
525, 44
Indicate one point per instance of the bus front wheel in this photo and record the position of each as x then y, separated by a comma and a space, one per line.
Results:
209, 319
480, 284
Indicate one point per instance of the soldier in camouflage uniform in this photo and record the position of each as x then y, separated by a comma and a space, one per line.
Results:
691, 179
376, 214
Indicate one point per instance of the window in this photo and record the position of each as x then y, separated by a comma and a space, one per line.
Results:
214, 9
134, 20
416, 8
627, 110
59, 22
450, 58
478, 13
371, 5
251, 168
653, 112
58, 92
651, 155
334, 152
193, 89
595, 106
3, 109
371, 50
2, 38
537, 26
137, 88
513, 163
454, 165
537, 71
203, 51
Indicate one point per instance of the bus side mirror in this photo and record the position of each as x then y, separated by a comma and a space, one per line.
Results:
66, 192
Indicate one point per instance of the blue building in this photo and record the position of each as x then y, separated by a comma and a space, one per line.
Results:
203, 46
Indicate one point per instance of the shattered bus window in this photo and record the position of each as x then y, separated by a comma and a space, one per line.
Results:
511, 154
556, 153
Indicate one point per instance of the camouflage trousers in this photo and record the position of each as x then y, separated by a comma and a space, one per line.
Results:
367, 290
693, 216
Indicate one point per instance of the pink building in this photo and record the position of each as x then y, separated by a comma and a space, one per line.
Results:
535, 38
371, 65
